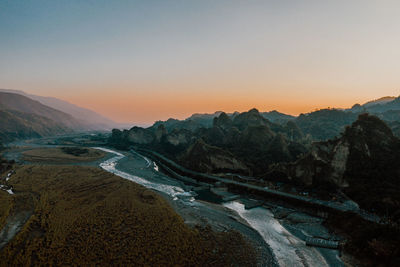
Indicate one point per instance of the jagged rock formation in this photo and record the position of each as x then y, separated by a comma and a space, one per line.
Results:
325, 163
223, 121
254, 140
364, 161
210, 159
250, 118
139, 135
235, 143
160, 132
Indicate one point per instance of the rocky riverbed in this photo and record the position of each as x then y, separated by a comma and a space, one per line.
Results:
276, 244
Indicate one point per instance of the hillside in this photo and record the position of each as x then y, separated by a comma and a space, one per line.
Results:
19, 125
378, 106
363, 162
380, 101
325, 123
276, 116
10, 101
88, 117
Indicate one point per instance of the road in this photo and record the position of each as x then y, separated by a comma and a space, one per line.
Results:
347, 206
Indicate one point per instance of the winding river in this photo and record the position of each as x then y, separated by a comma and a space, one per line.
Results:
288, 250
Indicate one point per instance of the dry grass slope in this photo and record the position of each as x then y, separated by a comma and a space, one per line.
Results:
5, 207
63, 155
85, 216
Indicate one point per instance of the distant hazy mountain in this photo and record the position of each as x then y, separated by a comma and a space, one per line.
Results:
89, 118
329, 123
206, 120
9, 101
377, 106
322, 124
17, 102
22, 117
276, 116
192, 123
211, 116
19, 125
387, 106
379, 101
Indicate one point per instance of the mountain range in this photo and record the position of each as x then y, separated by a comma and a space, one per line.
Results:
29, 116
328, 150
54, 116
88, 118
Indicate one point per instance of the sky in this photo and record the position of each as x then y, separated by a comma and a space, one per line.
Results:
142, 61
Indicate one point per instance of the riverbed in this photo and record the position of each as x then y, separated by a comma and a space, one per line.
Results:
287, 249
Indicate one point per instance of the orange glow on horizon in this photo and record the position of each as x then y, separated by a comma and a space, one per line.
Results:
144, 108
149, 62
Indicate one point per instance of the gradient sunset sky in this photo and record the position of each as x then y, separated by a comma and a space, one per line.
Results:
141, 61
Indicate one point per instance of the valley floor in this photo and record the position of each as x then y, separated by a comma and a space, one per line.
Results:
96, 201
80, 215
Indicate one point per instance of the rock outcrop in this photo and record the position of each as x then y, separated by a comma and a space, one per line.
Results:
364, 162
366, 140
210, 159
250, 118
141, 136
240, 137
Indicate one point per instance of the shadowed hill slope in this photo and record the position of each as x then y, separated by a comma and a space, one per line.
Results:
18, 125
88, 117
9, 101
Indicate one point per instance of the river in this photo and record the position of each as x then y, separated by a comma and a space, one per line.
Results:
288, 250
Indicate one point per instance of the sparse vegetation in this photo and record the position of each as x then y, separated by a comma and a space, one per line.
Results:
75, 151
63, 154
20, 125
5, 207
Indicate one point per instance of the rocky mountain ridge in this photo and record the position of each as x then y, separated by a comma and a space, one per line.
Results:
363, 162
248, 141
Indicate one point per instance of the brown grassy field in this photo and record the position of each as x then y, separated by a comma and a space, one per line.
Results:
5, 207
86, 216
63, 155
